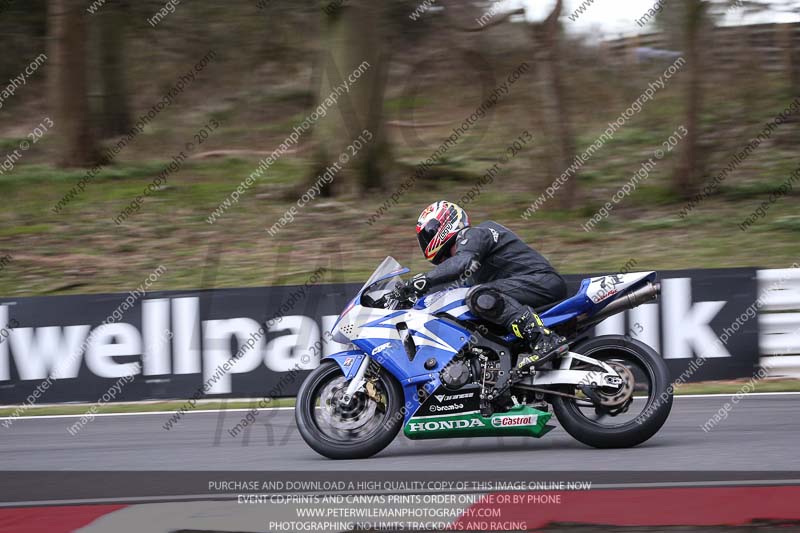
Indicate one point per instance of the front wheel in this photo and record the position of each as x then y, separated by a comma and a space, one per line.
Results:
629, 415
358, 429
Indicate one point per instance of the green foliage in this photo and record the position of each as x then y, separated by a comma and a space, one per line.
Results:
788, 223
263, 85
753, 189
402, 103
652, 195
16, 231
8, 145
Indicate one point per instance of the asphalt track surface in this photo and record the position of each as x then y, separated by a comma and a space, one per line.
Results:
761, 433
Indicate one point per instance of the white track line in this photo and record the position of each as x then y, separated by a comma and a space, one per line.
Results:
719, 395
205, 411
143, 413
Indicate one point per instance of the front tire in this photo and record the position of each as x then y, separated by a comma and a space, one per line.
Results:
654, 413
360, 429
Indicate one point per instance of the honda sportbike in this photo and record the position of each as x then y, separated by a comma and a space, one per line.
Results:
430, 367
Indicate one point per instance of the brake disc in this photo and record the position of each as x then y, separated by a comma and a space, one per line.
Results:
353, 415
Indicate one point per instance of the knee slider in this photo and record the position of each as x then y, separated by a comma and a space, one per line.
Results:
486, 303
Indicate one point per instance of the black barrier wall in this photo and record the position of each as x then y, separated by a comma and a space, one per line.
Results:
176, 343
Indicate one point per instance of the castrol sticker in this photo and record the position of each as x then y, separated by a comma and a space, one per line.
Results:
514, 420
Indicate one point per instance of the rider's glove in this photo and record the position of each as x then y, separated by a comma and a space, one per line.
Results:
418, 285
415, 287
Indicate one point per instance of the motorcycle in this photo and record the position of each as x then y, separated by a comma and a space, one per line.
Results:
432, 368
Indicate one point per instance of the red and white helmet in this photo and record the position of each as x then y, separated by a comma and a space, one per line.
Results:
437, 227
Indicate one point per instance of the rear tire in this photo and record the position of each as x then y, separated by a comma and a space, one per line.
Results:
323, 443
636, 431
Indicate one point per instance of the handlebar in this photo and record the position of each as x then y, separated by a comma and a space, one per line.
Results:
395, 299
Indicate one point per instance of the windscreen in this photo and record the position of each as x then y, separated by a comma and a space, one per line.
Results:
386, 268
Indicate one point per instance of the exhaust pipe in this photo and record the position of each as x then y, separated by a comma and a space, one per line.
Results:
643, 295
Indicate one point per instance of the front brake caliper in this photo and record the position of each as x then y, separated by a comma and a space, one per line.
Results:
372, 392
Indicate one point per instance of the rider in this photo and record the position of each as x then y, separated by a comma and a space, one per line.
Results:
510, 278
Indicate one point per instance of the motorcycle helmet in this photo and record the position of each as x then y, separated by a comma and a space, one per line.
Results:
437, 228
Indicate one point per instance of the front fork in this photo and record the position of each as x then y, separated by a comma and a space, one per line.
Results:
357, 383
354, 364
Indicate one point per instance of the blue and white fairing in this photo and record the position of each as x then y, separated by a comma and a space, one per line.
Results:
377, 333
594, 294
449, 301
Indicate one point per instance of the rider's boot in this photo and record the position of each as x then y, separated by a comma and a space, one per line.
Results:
544, 343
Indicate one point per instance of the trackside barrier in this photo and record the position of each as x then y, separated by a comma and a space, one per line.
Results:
779, 321
240, 343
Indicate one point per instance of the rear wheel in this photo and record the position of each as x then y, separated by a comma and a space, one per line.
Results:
628, 415
354, 430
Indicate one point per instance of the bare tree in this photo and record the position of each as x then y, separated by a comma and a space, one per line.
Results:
686, 25
546, 38
69, 83
549, 36
687, 173
114, 116
352, 43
